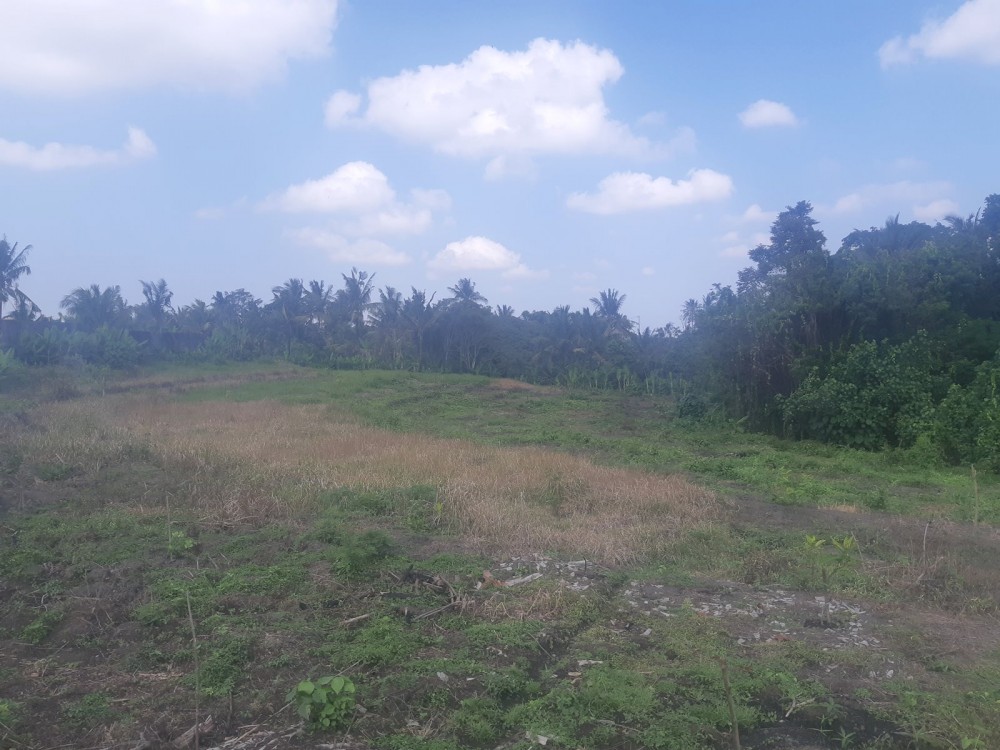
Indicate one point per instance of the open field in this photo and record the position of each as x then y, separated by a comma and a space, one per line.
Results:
181, 549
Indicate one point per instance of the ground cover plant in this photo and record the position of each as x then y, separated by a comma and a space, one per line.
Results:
486, 563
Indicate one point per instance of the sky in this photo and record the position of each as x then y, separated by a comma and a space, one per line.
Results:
545, 149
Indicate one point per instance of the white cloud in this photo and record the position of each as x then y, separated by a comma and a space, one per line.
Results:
935, 210
636, 191
360, 206
653, 119
889, 195
506, 165
52, 156
362, 202
735, 251
482, 254
340, 249
648, 271
79, 47
736, 247
356, 186
546, 99
340, 107
971, 33
755, 214
765, 113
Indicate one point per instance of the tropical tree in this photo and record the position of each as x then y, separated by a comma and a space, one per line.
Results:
608, 306
419, 313
91, 307
24, 310
317, 301
195, 317
465, 291
13, 265
355, 298
156, 309
289, 306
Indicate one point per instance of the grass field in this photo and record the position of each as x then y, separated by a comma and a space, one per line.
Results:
490, 564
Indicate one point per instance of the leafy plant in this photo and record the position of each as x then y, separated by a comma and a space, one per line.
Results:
326, 703
179, 544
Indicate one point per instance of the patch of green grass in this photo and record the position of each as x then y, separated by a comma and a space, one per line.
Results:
39, 629
92, 710
225, 659
385, 642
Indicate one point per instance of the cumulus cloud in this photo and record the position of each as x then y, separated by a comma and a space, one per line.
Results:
755, 214
653, 119
971, 33
546, 99
357, 186
53, 156
482, 254
359, 196
737, 247
359, 205
56, 47
889, 195
636, 191
359, 251
764, 113
935, 211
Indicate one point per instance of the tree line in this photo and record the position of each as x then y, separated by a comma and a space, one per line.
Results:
890, 341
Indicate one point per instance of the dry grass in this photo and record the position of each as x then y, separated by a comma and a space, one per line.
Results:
259, 461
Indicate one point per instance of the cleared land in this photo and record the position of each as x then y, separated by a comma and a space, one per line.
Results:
192, 544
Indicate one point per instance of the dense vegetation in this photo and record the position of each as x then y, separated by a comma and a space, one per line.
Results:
891, 341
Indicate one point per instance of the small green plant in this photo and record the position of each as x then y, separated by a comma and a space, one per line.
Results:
325, 703
179, 544
827, 567
91, 710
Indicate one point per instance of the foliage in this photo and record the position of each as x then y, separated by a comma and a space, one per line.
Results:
326, 703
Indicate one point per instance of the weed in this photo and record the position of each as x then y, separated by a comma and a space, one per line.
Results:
226, 660
40, 628
360, 555
90, 711
179, 544
326, 703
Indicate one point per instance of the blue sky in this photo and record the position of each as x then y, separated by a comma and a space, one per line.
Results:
546, 150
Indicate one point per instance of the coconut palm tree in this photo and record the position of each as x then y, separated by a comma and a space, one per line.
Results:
24, 310
355, 298
465, 291
13, 265
609, 306
90, 307
157, 305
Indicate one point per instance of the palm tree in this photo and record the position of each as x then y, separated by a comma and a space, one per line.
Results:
157, 306
317, 300
355, 298
505, 311
609, 306
24, 310
465, 291
92, 308
13, 265
418, 312
690, 312
289, 303
195, 317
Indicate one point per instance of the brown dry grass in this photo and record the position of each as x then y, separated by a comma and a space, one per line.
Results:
263, 460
